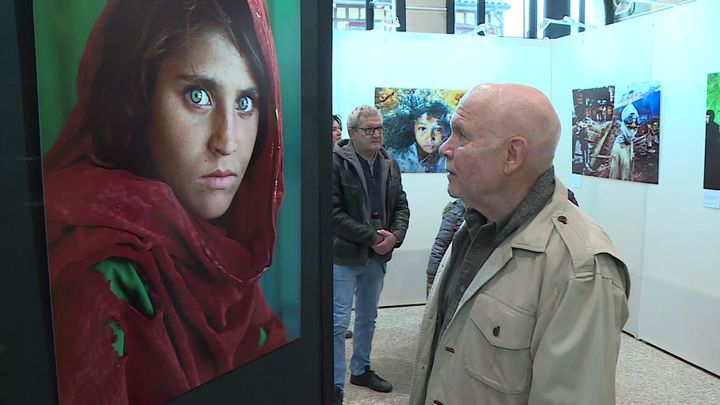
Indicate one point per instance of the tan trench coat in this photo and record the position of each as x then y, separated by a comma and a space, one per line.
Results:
539, 324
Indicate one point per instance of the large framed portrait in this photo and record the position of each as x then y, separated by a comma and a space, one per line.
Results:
173, 262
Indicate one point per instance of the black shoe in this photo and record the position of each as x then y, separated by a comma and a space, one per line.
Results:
371, 380
348, 334
337, 396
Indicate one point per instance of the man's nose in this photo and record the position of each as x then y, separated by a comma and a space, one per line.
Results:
446, 148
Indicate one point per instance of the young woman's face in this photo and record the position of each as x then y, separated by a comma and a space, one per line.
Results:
204, 123
429, 133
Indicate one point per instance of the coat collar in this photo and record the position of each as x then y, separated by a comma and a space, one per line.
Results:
532, 236
346, 150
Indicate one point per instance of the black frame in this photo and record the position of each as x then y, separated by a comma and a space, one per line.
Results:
480, 12
299, 372
532, 23
401, 15
609, 12
27, 360
369, 15
450, 16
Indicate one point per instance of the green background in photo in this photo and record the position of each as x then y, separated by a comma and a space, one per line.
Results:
61, 30
713, 94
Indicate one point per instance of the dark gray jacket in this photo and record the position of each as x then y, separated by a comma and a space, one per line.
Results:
451, 221
353, 231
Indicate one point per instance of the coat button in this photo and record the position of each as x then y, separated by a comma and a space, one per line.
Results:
436, 402
450, 349
496, 331
562, 219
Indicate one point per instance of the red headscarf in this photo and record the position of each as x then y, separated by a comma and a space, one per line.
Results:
203, 279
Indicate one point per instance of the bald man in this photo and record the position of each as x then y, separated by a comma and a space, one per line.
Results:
530, 299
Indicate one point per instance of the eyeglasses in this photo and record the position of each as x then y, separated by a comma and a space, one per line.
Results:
371, 131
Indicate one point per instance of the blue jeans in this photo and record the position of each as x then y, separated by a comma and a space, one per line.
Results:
365, 283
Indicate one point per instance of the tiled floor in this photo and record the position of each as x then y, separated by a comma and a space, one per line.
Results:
645, 375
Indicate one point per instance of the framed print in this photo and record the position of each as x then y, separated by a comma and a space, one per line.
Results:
417, 122
711, 178
617, 136
174, 180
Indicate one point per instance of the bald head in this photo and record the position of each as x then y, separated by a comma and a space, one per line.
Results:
503, 138
510, 110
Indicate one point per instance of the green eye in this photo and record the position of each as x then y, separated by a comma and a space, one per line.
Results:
199, 97
246, 104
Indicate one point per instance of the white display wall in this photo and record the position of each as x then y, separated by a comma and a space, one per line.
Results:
668, 238
363, 60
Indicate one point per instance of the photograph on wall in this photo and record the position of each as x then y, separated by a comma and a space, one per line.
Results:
616, 132
417, 122
592, 120
711, 179
161, 130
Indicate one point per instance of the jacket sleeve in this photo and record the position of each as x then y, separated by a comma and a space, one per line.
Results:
577, 354
451, 221
401, 216
344, 225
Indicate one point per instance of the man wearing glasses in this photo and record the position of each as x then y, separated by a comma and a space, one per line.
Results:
370, 218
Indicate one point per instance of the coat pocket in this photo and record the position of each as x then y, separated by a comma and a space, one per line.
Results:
498, 345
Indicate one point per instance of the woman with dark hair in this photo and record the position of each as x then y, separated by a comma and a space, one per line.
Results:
162, 194
336, 129
414, 132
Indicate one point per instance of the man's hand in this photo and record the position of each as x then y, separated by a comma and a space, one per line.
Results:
378, 238
386, 244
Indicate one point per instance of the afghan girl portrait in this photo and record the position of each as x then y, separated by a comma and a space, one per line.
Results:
414, 131
162, 196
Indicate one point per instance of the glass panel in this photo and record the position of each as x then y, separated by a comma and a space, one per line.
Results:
384, 15
595, 13
539, 17
575, 13
506, 17
465, 15
349, 14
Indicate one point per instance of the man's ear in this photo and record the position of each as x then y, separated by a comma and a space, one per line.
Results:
515, 154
